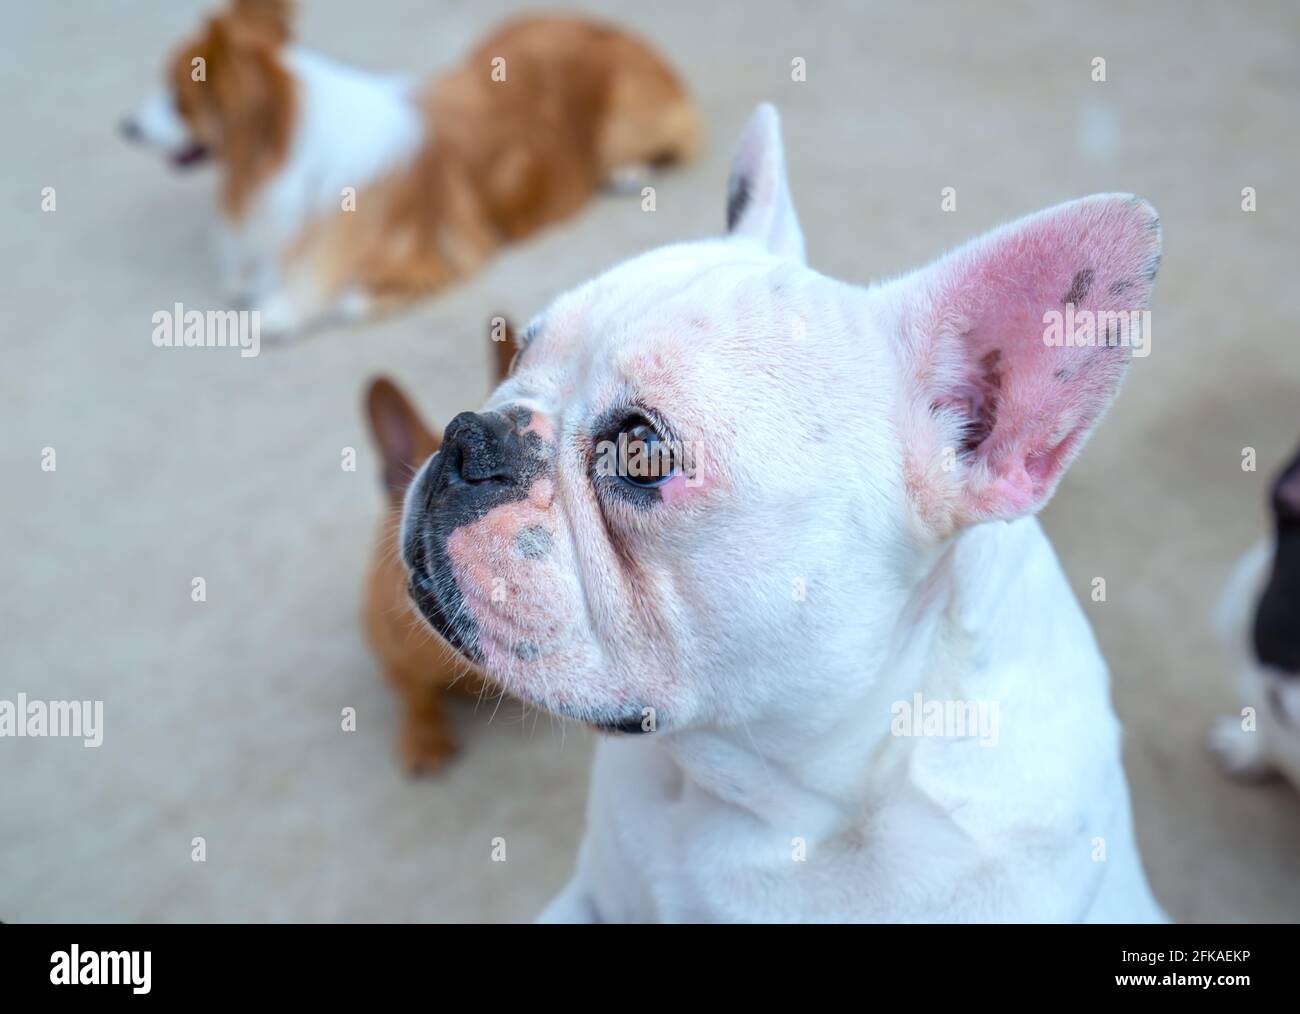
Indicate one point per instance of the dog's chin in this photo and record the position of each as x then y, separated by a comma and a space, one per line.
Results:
191, 156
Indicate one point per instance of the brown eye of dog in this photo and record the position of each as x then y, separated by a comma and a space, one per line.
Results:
643, 458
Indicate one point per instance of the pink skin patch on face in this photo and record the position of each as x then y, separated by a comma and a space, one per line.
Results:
682, 487
506, 591
540, 425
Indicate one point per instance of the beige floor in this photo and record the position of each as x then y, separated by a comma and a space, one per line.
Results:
223, 717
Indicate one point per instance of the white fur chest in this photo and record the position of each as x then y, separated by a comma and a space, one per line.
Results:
1033, 825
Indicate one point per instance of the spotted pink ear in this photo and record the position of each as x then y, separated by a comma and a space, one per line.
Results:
1014, 346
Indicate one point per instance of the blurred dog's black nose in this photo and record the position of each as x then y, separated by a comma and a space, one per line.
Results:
130, 129
478, 448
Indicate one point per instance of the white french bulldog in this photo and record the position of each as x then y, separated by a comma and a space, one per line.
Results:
781, 527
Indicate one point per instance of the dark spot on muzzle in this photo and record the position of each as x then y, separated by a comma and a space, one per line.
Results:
533, 542
527, 651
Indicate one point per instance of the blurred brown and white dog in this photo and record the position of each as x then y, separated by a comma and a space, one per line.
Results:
345, 192
419, 664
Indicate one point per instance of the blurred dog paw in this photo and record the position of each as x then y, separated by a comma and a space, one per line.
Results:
1240, 754
281, 318
426, 745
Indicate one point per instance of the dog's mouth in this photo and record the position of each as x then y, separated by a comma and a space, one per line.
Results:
632, 725
433, 591
191, 155
423, 591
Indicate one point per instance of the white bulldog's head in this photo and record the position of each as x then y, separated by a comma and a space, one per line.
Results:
715, 476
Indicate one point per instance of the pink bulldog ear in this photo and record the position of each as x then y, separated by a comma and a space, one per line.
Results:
759, 206
1012, 347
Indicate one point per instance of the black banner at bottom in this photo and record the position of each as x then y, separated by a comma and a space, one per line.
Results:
337, 963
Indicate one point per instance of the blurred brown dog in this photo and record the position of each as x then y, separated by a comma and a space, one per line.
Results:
420, 665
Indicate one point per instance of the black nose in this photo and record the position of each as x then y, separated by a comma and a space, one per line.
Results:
130, 129
477, 448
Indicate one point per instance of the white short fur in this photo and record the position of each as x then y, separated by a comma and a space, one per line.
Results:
709, 826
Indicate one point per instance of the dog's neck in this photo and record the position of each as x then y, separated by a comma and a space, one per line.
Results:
954, 630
